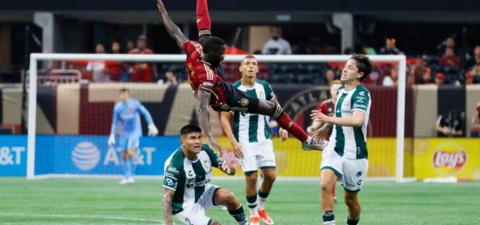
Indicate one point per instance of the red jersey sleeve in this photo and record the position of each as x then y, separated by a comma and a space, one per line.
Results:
190, 46
206, 78
324, 107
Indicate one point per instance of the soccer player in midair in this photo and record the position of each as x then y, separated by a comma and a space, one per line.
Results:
346, 157
207, 79
251, 140
187, 189
127, 112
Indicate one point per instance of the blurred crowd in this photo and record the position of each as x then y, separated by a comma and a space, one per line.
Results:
448, 67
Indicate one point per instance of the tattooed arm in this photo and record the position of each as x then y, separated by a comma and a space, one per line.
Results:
167, 205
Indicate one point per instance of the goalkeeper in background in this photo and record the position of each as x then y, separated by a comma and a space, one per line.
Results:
126, 111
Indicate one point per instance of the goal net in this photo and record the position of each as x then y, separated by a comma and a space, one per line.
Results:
70, 118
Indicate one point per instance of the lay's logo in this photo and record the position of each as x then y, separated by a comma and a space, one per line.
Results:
449, 159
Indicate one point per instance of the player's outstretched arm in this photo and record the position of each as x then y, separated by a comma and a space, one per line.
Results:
152, 129
167, 205
172, 29
227, 128
203, 21
227, 168
113, 130
204, 114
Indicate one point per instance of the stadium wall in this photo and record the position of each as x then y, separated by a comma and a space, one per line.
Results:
90, 155
87, 109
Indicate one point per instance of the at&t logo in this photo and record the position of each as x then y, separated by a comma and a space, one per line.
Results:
85, 156
449, 159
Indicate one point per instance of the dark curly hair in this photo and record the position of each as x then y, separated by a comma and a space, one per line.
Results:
364, 65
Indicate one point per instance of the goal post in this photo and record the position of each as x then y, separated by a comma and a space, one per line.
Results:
180, 58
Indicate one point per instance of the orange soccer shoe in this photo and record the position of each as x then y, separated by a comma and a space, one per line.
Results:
254, 221
266, 219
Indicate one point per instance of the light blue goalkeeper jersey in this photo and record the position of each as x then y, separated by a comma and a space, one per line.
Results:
128, 114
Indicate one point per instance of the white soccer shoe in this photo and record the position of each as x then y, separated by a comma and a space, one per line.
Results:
123, 181
130, 180
316, 145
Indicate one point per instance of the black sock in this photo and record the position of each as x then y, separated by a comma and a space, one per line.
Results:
252, 201
239, 215
328, 216
262, 194
352, 222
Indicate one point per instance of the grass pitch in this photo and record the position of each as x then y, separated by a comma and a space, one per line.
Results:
103, 201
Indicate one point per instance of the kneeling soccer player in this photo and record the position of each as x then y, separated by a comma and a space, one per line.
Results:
187, 188
345, 157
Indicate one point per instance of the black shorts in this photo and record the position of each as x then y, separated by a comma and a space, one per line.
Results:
237, 100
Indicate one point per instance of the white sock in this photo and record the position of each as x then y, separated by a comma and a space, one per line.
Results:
260, 203
253, 212
309, 140
329, 222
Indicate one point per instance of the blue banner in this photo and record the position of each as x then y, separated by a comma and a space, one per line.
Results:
87, 155
13, 155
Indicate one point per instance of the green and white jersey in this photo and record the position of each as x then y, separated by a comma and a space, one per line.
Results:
351, 142
250, 128
188, 178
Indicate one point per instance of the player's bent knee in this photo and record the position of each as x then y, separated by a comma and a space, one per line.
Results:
223, 196
328, 179
270, 176
350, 198
251, 178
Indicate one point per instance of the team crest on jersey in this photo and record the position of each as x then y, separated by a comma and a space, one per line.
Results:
207, 164
244, 102
261, 94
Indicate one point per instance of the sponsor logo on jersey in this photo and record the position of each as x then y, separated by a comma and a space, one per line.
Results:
173, 170
85, 156
207, 84
449, 159
169, 175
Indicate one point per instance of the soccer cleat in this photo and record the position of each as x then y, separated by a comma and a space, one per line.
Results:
123, 182
266, 219
317, 145
130, 180
254, 221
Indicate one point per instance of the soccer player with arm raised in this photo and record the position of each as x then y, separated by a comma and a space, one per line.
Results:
127, 112
187, 189
251, 139
213, 90
345, 157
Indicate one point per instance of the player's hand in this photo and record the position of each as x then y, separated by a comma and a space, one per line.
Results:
320, 133
225, 168
446, 131
111, 140
317, 115
214, 144
310, 130
237, 150
283, 134
152, 130
161, 7
475, 119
